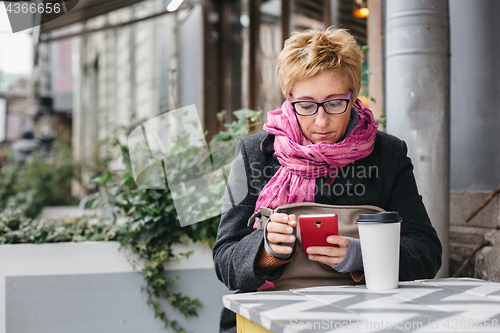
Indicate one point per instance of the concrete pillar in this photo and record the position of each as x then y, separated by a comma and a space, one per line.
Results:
475, 147
418, 99
375, 58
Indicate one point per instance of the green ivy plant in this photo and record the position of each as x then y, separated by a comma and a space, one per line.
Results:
152, 223
15, 228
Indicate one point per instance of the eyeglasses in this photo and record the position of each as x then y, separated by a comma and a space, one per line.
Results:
331, 106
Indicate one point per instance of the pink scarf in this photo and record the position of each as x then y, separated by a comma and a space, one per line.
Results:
302, 161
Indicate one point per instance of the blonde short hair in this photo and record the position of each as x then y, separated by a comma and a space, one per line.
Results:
305, 54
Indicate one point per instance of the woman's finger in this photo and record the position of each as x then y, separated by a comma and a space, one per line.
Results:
280, 238
279, 228
330, 261
330, 251
280, 248
280, 218
339, 240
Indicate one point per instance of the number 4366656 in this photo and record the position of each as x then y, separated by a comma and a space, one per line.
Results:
32, 8
471, 324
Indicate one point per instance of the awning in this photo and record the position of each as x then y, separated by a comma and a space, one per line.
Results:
58, 13
83, 10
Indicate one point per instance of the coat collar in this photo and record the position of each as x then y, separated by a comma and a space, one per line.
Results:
267, 144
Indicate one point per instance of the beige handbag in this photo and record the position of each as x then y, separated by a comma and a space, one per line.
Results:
302, 272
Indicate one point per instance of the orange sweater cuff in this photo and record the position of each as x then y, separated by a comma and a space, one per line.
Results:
266, 263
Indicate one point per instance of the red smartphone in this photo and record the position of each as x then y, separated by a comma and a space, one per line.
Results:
315, 228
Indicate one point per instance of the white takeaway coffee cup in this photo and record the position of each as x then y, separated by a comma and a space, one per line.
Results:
379, 234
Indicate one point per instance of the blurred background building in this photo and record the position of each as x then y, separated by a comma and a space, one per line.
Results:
129, 61
101, 67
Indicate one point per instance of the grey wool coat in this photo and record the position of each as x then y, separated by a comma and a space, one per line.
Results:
384, 179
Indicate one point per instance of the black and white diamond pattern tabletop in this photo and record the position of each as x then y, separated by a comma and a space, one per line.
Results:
440, 305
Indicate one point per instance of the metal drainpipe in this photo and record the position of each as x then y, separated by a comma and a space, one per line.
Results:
418, 99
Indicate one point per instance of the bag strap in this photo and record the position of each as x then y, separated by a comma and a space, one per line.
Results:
262, 215
284, 208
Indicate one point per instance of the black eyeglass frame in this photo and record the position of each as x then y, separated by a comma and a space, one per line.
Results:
318, 104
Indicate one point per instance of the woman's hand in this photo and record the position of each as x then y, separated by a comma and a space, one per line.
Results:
279, 230
329, 255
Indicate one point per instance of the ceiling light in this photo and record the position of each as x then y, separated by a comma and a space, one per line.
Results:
361, 13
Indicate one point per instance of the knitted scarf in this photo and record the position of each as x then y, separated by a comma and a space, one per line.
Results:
302, 161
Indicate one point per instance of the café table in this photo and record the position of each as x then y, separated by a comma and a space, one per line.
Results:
438, 305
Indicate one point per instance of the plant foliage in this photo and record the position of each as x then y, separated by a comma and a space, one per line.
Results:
15, 228
41, 181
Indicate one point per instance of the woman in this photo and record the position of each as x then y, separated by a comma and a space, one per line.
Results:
321, 146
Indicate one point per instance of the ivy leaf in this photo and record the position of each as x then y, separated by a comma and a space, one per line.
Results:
184, 239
